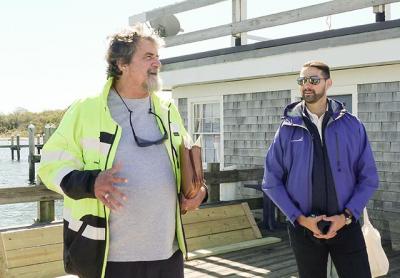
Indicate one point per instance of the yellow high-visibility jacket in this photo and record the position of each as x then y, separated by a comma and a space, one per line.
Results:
84, 144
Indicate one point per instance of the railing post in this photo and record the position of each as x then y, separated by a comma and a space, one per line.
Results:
46, 212
18, 149
38, 143
12, 147
45, 208
31, 156
48, 131
213, 188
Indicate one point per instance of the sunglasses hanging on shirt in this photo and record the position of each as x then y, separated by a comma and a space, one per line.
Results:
140, 141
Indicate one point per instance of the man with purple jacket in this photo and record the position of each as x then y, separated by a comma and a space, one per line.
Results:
320, 171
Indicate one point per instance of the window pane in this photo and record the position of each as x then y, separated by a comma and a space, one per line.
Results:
197, 126
215, 112
216, 125
207, 110
206, 123
210, 155
208, 141
207, 126
346, 100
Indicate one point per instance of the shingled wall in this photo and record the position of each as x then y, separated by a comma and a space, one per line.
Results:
379, 109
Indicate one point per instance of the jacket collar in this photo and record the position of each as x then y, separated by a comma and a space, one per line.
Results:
294, 112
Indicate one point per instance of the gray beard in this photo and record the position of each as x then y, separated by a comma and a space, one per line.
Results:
153, 84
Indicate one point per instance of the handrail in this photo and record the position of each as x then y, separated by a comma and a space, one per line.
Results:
286, 17
213, 176
24, 194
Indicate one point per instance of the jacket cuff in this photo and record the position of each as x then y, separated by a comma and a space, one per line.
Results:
80, 184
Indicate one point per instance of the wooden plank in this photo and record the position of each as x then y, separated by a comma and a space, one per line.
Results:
234, 175
212, 213
251, 220
246, 261
27, 194
220, 239
279, 249
2, 259
44, 270
305, 13
32, 237
216, 226
34, 255
171, 9
201, 253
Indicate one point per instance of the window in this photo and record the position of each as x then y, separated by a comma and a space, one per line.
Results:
346, 100
206, 122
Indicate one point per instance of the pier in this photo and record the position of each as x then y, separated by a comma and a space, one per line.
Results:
34, 148
272, 259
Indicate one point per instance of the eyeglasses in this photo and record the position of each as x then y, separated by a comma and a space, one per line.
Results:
313, 80
140, 141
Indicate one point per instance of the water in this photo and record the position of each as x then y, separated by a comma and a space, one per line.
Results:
16, 174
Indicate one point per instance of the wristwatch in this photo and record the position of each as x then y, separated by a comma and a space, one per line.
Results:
347, 217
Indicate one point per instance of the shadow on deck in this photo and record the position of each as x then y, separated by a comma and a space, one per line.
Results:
274, 260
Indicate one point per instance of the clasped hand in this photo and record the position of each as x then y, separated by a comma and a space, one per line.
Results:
311, 223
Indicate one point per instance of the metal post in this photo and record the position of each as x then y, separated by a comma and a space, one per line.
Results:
18, 149
214, 188
31, 157
12, 147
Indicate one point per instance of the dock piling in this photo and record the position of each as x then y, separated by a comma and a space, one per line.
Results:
12, 147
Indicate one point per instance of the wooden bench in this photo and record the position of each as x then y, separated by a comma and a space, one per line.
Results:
32, 252
37, 251
220, 229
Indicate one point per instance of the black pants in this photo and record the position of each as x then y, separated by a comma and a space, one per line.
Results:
347, 250
169, 268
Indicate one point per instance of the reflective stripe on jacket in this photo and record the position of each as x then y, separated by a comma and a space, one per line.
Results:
84, 144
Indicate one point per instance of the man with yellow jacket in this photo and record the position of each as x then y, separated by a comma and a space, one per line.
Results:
115, 158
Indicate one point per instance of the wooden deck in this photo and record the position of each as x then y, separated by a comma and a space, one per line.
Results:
275, 260
272, 261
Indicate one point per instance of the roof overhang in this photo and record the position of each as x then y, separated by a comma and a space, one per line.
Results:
371, 44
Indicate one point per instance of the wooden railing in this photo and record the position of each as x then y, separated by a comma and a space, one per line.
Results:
214, 177
236, 28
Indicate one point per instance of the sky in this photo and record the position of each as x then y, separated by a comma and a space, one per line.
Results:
52, 51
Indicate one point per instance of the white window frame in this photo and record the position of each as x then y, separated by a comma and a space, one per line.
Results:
205, 100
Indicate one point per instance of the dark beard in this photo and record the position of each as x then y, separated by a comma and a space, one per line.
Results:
311, 98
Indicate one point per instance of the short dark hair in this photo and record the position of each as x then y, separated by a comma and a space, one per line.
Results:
319, 65
122, 46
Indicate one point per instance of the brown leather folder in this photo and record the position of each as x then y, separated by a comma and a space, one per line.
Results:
192, 177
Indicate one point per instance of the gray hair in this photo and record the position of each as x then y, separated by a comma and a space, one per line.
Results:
122, 46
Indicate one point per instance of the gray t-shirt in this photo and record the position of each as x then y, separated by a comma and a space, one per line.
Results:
144, 229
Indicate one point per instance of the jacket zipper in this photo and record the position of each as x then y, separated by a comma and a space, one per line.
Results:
111, 145
310, 166
104, 207
176, 165
337, 153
